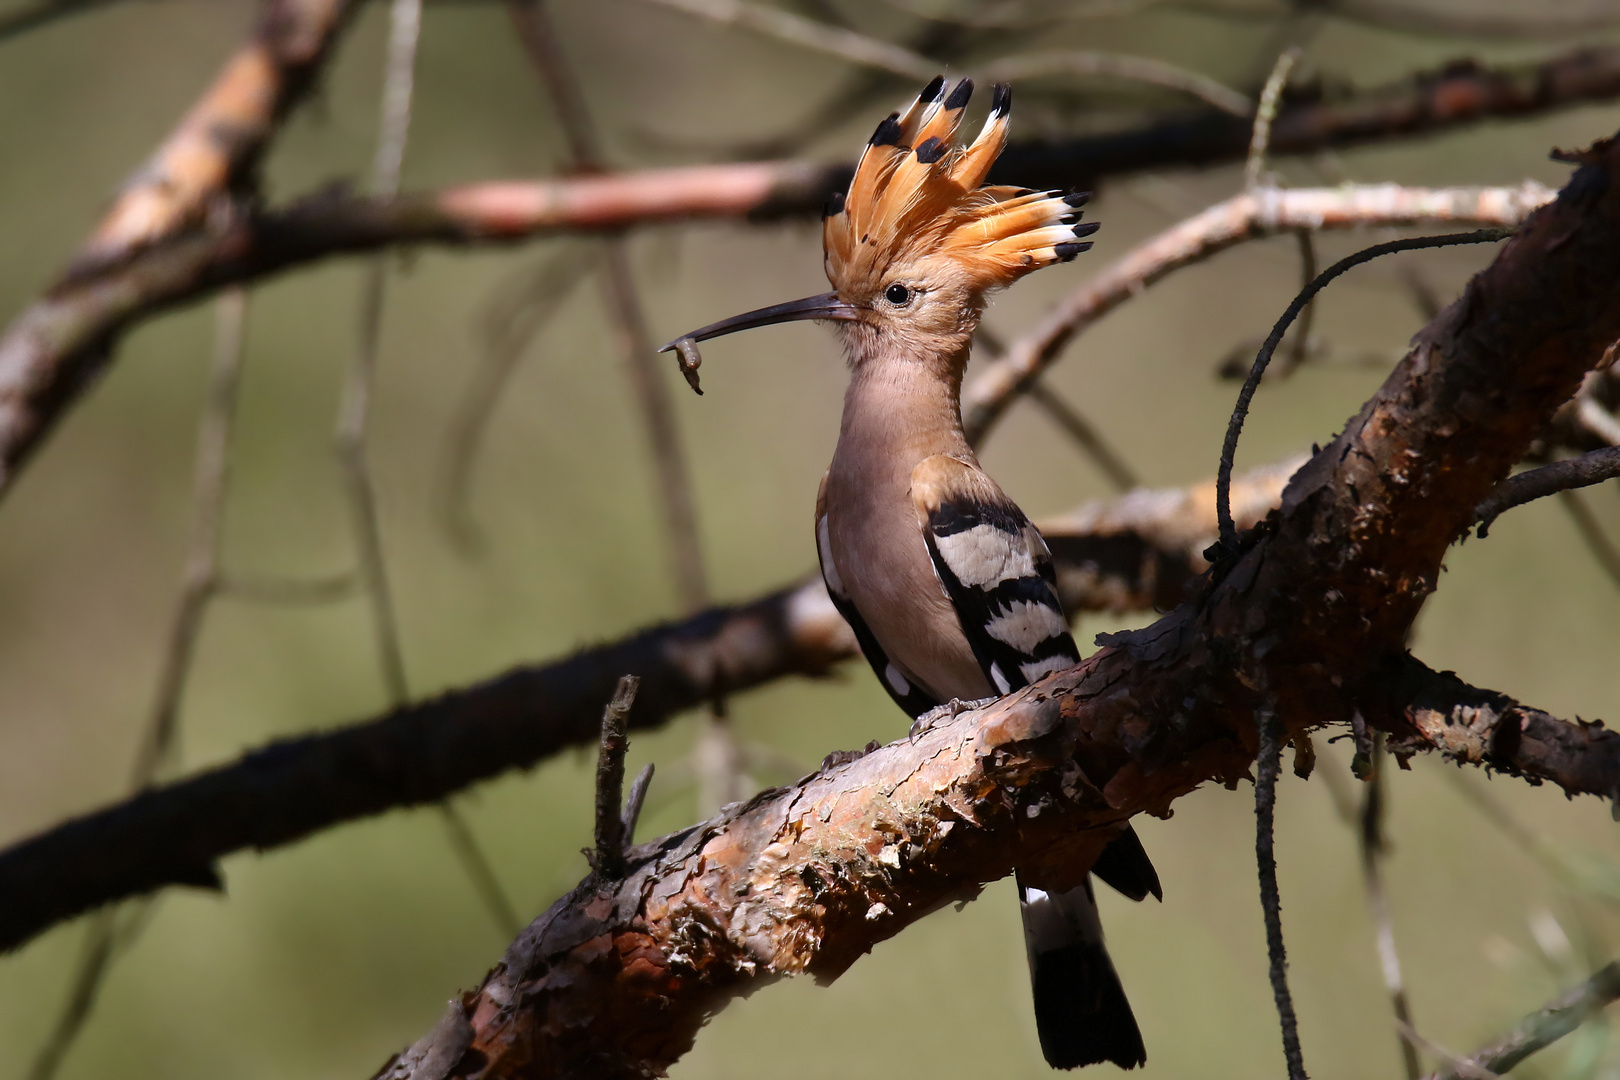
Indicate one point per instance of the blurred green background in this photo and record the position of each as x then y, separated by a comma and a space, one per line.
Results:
327, 956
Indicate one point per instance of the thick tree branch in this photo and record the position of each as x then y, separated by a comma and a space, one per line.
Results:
1129, 553
806, 879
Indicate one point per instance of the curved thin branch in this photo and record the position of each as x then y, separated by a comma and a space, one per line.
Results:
1546, 1025
1576, 472
808, 878
1249, 216
1129, 553
51, 350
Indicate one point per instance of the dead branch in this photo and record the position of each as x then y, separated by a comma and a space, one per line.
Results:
1458, 93
1545, 1026
1576, 472
1249, 216
1438, 712
208, 159
182, 235
611, 813
617, 979
1124, 554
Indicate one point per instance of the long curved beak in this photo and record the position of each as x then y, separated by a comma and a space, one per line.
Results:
822, 306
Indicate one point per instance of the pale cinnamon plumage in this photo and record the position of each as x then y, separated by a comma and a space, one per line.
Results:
946, 584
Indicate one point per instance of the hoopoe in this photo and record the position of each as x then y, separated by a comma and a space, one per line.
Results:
947, 585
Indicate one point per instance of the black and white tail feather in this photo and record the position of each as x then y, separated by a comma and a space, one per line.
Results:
996, 569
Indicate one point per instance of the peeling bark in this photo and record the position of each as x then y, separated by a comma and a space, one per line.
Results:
617, 977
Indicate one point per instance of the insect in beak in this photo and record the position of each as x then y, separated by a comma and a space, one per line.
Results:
821, 306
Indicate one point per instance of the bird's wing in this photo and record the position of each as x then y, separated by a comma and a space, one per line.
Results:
996, 570
906, 693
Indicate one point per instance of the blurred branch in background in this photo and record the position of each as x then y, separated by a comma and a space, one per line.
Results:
1120, 555
113, 928
1081, 431
1249, 216
1374, 845
791, 875
1132, 553
1541, 1028
157, 249
210, 157
717, 759
515, 315
349, 440
37, 13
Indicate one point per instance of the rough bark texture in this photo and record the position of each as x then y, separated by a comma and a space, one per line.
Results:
617, 977
1127, 554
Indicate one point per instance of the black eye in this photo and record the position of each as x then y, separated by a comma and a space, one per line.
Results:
897, 294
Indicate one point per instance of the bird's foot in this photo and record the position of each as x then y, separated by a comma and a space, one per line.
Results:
948, 711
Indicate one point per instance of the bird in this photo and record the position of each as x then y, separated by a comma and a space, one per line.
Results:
947, 585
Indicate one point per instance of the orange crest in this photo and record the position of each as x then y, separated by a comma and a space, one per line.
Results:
918, 202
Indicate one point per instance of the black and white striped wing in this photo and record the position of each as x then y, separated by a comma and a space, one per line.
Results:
905, 692
997, 572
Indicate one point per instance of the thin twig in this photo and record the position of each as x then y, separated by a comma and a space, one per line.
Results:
201, 577
1223, 479
32, 16
848, 45
1598, 420
673, 487
349, 440
350, 436
1265, 114
1268, 763
1244, 217
1559, 477
1433, 19
479, 870
200, 581
1077, 427
1457, 1067
857, 48
1546, 1025
1373, 849
610, 813
1140, 69
1301, 348
1085, 436
1592, 533
510, 326
100, 943
633, 804
671, 476
672, 479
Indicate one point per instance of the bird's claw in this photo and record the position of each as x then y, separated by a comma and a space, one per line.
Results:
948, 711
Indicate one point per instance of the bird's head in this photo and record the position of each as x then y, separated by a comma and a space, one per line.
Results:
919, 239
